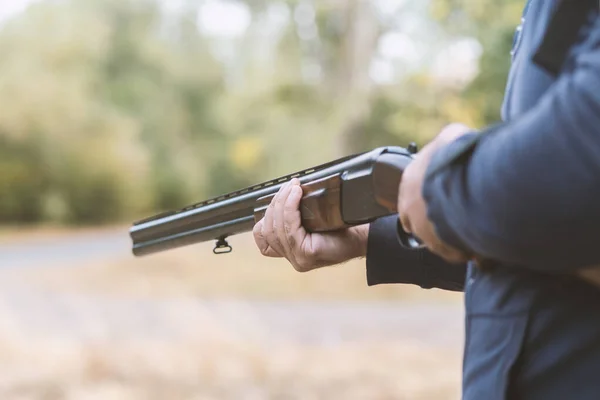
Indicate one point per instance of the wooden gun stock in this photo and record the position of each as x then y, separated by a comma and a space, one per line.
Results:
591, 275
320, 207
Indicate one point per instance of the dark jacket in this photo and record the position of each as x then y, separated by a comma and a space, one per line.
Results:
526, 194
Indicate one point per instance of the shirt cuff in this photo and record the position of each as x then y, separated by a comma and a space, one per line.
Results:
390, 262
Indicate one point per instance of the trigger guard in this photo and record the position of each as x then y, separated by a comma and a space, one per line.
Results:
407, 240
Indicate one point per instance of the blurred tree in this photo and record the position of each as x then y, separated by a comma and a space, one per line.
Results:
21, 179
114, 108
493, 23
113, 100
419, 107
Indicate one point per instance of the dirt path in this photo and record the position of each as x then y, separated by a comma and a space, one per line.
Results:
61, 346
66, 312
117, 330
40, 250
67, 315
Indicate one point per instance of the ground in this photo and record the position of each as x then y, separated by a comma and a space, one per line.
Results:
80, 318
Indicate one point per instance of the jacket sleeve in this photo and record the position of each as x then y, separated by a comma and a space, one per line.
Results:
389, 262
528, 192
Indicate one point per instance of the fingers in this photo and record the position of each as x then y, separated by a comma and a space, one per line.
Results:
277, 233
435, 245
261, 241
264, 234
288, 224
293, 228
453, 131
402, 196
279, 218
422, 228
268, 228
413, 216
405, 222
280, 232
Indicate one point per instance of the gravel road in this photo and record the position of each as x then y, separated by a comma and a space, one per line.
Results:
64, 250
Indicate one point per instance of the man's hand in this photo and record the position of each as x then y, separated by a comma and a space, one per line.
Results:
280, 234
411, 205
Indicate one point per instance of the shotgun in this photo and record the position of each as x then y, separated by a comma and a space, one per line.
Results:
350, 191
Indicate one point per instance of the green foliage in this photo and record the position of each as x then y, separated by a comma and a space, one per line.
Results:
493, 23
21, 179
99, 108
112, 109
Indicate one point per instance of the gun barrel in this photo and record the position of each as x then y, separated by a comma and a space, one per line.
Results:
216, 218
232, 213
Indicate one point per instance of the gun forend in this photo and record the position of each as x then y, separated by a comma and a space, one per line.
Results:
350, 191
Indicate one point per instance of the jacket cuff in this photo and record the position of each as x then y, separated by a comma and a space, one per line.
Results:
434, 191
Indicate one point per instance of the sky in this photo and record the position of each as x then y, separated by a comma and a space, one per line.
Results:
8, 8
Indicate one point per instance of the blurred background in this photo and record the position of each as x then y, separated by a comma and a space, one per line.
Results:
112, 110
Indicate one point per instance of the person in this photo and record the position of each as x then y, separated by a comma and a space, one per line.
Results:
509, 214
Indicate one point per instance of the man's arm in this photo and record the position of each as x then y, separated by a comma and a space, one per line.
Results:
280, 234
528, 192
390, 262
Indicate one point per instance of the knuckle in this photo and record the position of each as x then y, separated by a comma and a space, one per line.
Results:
264, 249
265, 228
310, 255
280, 198
271, 238
288, 207
257, 229
258, 240
274, 241
302, 266
453, 130
452, 125
267, 232
405, 223
291, 241
287, 228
